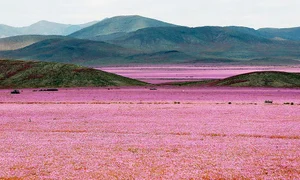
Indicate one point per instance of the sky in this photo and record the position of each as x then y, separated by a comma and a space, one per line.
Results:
193, 13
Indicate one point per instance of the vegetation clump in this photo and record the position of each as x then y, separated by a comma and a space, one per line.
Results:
15, 92
49, 89
288, 103
268, 101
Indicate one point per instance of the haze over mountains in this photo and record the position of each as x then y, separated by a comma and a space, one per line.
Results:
137, 39
42, 28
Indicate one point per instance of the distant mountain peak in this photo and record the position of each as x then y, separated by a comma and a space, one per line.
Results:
119, 24
43, 21
125, 16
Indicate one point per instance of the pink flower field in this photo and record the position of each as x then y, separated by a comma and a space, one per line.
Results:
136, 133
164, 74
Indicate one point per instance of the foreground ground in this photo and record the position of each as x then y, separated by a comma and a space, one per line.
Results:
136, 133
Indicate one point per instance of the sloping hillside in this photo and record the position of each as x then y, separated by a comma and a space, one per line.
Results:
262, 79
68, 50
18, 42
281, 33
117, 25
29, 74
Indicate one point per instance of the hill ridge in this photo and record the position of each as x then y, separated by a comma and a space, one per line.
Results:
32, 74
262, 79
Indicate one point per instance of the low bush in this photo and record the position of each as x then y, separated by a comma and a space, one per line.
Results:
268, 101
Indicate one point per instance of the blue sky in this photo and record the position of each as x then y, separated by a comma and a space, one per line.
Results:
251, 13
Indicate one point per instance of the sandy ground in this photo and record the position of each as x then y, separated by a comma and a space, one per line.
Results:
136, 133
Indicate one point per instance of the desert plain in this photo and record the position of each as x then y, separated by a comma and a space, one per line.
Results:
164, 132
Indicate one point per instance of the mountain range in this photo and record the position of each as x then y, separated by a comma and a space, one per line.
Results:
141, 40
